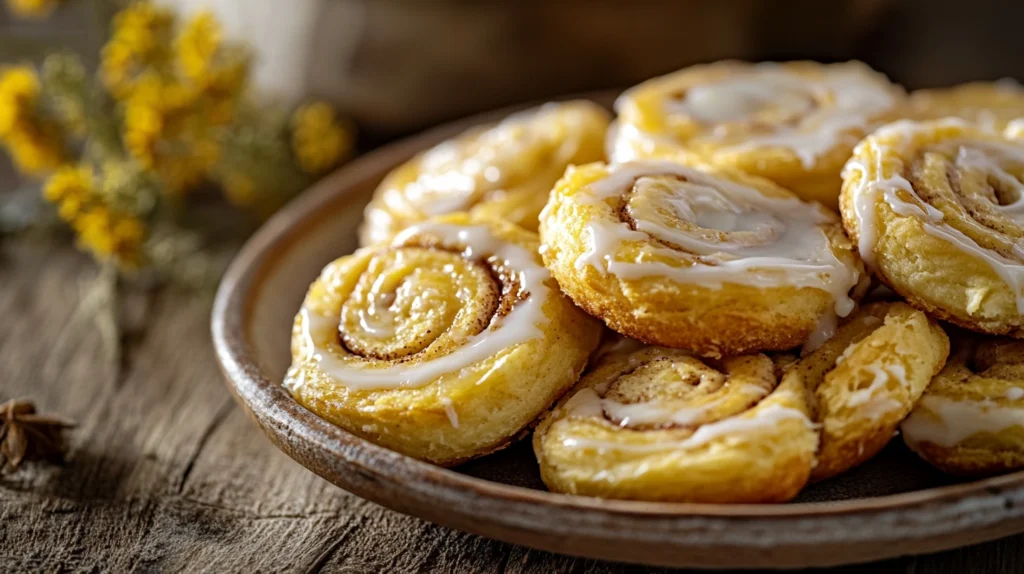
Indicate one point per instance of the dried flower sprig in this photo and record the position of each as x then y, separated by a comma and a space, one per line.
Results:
24, 434
109, 233
167, 118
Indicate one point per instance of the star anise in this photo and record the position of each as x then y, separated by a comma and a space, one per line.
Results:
25, 434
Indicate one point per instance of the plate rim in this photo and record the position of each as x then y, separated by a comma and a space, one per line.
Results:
322, 447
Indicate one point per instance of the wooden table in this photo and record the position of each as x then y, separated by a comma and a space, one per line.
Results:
165, 473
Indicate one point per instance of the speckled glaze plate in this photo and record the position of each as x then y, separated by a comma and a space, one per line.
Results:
892, 506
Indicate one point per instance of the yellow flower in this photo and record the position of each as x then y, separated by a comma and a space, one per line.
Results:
69, 181
139, 39
111, 236
141, 134
176, 97
129, 231
222, 87
108, 233
116, 61
142, 26
167, 131
197, 45
31, 8
229, 75
36, 150
34, 145
69, 208
19, 91
143, 120
94, 231
141, 117
148, 88
70, 187
318, 139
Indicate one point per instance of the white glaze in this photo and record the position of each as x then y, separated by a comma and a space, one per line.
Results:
651, 413
874, 187
1015, 129
831, 111
377, 319
791, 247
824, 330
874, 401
452, 175
846, 353
626, 142
739, 97
589, 403
378, 222
986, 159
975, 297
947, 423
866, 320
319, 333
740, 428
1015, 393
449, 411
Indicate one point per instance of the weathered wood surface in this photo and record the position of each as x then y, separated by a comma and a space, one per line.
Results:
165, 473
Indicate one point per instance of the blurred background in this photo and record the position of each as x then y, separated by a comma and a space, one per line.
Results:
397, 66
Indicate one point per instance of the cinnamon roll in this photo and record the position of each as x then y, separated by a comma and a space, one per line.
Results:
504, 170
444, 344
937, 212
971, 419
794, 123
650, 423
990, 105
866, 379
711, 261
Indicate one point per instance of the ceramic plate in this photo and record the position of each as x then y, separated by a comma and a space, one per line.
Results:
891, 506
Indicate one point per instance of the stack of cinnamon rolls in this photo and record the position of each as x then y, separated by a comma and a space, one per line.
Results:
669, 299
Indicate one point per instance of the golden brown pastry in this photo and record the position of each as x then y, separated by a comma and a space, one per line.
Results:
711, 261
650, 423
505, 170
971, 419
937, 212
990, 105
866, 379
794, 123
443, 345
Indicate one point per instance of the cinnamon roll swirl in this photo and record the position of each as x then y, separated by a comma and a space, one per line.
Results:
710, 261
866, 379
650, 423
971, 418
794, 123
504, 170
937, 211
444, 344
